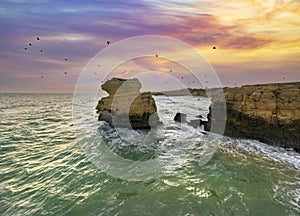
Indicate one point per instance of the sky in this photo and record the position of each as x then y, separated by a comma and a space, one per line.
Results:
256, 41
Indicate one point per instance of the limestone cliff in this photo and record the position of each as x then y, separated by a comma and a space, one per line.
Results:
126, 106
268, 112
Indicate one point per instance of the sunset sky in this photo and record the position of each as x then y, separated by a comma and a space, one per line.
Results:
256, 41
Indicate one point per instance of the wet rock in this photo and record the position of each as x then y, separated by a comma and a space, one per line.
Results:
105, 116
195, 123
269, 113
126, 106
180, 117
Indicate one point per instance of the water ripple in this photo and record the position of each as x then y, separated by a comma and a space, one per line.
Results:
43, 170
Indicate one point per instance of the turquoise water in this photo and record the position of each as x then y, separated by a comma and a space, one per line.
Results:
44, 171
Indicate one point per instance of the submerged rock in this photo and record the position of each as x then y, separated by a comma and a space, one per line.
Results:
269, 113
180, 117
126, 106
196, 123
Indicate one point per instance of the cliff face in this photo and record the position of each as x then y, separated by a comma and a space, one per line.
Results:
269, 113
126, 106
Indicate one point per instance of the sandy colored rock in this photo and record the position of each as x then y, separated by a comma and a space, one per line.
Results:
126, 106
130, 85
268, 112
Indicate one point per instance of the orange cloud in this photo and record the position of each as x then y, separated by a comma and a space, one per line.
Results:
281, 6
122, 74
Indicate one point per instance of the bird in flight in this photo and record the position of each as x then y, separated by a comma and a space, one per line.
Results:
214, 47
42, 77
66, 59
41, 50
37, 38
108, 42
30, 44
66, 73
25, 48
156, 56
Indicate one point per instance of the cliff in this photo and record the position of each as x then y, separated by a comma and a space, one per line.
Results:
269, 113
126, 106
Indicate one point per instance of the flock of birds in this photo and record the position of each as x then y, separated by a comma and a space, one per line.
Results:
108, 42
41, 50
30, 44
156, 55
66, 59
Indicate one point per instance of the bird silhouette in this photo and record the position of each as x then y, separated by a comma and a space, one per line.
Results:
25, 48
66, 73
170, 70
214, 47
42, 77
41, 50
30, 44
66, 59
98, 65
108, 42
182, 77
156, 56
37, 38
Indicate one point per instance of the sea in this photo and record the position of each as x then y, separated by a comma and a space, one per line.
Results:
56, 158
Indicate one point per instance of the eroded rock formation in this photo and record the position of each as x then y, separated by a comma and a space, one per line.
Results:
269, 113
126, 106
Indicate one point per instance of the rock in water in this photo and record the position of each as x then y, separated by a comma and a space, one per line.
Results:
268, 112
126, 106
180, 117
196, 123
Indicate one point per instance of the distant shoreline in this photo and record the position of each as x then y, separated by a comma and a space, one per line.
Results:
175, 92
